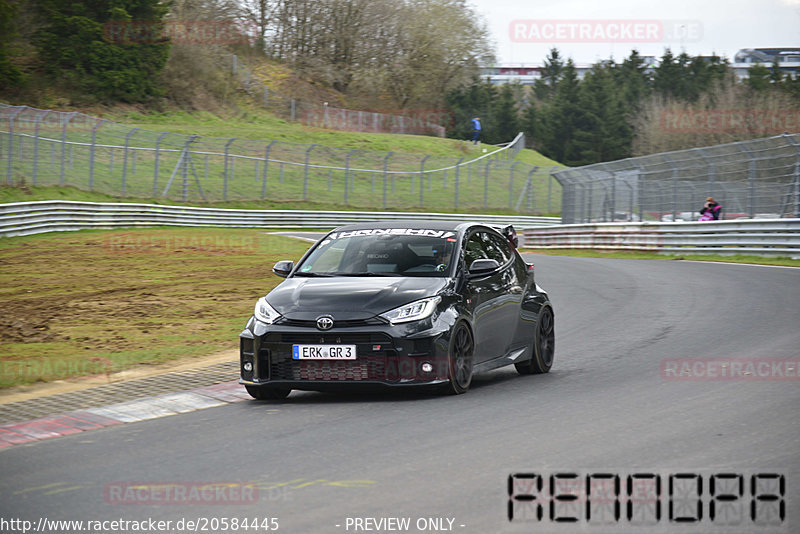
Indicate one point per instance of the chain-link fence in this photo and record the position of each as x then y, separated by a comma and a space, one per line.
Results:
749, 179
412, 121
41, 147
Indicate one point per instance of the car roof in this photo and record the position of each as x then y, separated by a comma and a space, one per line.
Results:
455, 226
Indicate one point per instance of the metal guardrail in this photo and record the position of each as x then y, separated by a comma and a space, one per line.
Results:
761, 237
27, 218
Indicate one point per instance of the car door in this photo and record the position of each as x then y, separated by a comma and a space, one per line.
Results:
494, 297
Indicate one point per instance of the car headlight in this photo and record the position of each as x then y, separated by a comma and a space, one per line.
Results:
264, 312
414, 311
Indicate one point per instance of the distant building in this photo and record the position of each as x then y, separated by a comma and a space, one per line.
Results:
788, 60
528, 73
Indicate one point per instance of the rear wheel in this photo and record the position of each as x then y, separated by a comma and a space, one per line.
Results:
544, 346
460, 359
268, 392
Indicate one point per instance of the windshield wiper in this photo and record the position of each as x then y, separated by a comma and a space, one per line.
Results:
311, 275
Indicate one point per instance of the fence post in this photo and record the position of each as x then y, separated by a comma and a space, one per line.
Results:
458, 174
11, 143
292, 115
225, 175
158, 155
305, 177
751, 180
511, 185
796, 176
674, 187
93, 151
266, 96
64, 144
422, 180
347, 173
385, 168
36, 147
266, 164
486, 184
125, 158
235, 63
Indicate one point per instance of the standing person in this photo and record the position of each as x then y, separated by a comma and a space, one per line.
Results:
476, 130
711, 210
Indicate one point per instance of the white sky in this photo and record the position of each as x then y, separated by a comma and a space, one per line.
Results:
719, 26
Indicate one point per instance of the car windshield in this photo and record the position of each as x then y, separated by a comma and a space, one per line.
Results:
415, 252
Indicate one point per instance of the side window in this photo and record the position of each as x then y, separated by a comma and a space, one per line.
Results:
474, 249
497, 248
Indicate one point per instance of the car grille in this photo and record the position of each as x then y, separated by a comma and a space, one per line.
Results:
297, 323
367, 367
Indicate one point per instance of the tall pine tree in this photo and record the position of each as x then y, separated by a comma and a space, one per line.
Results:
84, 44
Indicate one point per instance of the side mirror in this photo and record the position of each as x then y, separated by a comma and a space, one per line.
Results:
483, 266
283, 268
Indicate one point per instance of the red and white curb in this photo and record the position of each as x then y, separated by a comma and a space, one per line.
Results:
125, 412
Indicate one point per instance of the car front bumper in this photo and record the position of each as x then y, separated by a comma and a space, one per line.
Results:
386, 356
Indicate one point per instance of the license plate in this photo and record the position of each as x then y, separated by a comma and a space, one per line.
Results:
324, 352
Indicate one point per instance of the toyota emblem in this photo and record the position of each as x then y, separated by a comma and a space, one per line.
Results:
325, 322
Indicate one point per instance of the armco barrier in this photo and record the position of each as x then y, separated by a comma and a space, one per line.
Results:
26, 218
762, 237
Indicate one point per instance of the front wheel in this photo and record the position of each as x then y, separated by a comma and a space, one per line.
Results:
460, 359
544, 346
268, 392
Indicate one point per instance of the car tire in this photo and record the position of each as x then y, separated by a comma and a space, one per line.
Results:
460, 359
544, 346
268, 392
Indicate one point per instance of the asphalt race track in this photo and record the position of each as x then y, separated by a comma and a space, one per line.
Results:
612, 405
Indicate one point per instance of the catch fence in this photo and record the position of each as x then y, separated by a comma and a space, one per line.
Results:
43, 147
759, 178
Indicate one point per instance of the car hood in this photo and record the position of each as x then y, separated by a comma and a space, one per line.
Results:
347, 298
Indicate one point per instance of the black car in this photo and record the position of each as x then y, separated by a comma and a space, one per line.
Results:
410, 303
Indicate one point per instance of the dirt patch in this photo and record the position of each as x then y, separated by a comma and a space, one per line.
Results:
24, 331
77, 304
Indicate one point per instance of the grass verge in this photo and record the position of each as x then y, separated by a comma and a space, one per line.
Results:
94, 302
738, 258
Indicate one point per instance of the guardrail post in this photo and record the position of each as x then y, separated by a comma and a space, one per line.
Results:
39, 119
225, 175
264, 171
422, 181
157, 157
385, 169
347, 173
125, 158
64, 145
305, 177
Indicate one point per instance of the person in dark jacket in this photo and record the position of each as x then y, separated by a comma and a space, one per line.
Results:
476, 130
711, 210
